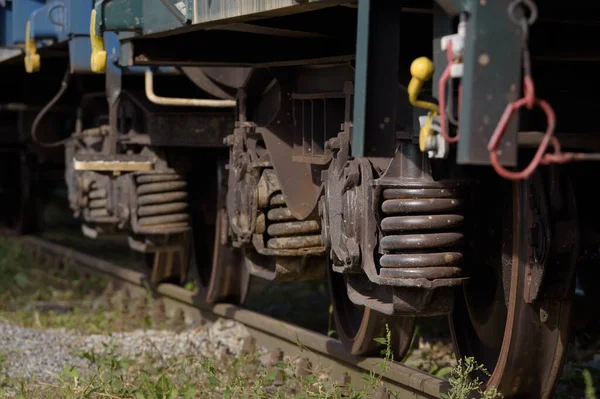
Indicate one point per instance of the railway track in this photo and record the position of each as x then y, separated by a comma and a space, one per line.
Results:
272, 334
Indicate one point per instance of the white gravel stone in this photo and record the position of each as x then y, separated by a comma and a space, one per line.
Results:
44, 354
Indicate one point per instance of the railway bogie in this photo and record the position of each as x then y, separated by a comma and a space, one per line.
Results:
379, 144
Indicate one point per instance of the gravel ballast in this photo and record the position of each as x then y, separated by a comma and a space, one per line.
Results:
42, 355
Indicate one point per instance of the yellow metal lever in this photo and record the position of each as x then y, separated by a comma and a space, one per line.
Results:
98, 59
421, 70
32, 58
425, 132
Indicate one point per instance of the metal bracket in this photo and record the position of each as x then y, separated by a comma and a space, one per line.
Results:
492, 79
113, 163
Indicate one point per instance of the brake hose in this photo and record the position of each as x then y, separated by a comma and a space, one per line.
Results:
63, 87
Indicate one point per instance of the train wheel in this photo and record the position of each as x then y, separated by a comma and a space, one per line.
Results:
492, 321
358, 326
222, 274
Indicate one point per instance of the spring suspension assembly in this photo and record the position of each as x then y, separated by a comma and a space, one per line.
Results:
162, 203
283, 247
397, 236
421, 236
95, 205
284, 233
96, 200
160, 220
421, 232
276, 244
130, 191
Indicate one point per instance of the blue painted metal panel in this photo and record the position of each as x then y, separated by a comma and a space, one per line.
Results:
78, 17
111, 45
115, 50
13, 19
80, 50
58, 20
48, 21
62, 19
5, 23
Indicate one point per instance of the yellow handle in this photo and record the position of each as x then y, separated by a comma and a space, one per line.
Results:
426, 131
421, 70
32, 58
98, 60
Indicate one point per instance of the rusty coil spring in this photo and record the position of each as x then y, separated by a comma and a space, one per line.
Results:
422, 232
286, 231
97, 201
162, 203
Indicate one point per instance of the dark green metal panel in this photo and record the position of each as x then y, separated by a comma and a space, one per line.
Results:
163, 15
375, 94
119, 15
492, 79
143, 16
360, 78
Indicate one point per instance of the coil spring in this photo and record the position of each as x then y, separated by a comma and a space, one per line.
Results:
422, 232
98, 201
162, 203
286, 231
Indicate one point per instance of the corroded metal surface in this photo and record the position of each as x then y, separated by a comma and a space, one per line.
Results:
277, 243
156, 209
401, 229
492, 320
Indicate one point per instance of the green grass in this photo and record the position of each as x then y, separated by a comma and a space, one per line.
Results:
155, 377
28, 287
464, 386
146, 377
39, 295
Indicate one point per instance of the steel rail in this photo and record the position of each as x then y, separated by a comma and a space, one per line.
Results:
273, 334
